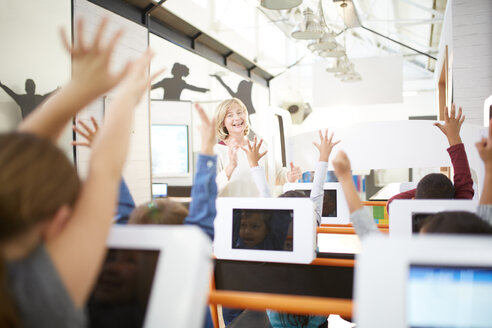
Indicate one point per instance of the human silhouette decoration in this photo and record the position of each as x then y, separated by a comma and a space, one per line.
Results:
173, 86
243, 92
30, 100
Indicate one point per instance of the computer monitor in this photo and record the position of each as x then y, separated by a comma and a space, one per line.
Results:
170, 152
265, 229
424, 281
406, 215
159, 190
153, 276
335, 209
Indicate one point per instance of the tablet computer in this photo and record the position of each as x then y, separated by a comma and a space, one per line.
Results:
407, 215
335, 209
153, 276
424, 281
265, 229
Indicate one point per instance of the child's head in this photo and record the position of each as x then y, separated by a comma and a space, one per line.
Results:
455, 222
253, 228
226, 107
435, 186
36, 181
159, 211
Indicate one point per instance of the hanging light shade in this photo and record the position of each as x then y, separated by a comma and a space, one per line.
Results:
280, 4
343, 66
338, 52
327, 42
309, 28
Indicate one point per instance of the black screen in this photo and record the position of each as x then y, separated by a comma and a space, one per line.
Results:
122, 290
418, 219
329, 202
262, 229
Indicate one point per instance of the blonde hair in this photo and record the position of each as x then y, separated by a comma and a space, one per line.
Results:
221, 113
159, 211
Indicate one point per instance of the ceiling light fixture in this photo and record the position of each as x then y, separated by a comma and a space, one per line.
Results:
280, 4
309, 28
339, 51
326, 42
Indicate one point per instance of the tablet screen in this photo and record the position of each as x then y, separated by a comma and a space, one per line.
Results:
418, 219
263, 229
121, 293
449, 296
329, 202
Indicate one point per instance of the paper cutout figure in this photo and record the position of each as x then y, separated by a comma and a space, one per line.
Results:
30, 100
173, 86
243, 92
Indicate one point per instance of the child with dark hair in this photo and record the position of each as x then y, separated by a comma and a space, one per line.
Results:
53, 226
444, 222
436, 185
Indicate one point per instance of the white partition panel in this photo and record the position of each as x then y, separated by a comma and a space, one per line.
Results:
391, 144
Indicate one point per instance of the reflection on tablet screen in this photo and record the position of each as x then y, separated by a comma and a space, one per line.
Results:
329, 202
262, 229
122, 290
418, 219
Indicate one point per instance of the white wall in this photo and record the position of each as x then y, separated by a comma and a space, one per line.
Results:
31, 48
472, 56
133, 43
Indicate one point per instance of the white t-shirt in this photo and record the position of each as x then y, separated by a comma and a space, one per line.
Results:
241, 183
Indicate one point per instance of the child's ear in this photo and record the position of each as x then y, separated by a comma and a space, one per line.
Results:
53, 227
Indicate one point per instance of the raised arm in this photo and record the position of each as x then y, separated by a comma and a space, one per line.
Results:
325, 146
11, 93
229, 90
126, 204
254, 155
78, 251
463, 183
194, 88
204, 190
484, 148
91, 79
359, 216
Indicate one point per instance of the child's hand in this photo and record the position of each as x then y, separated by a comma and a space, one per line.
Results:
86, 132
484, 148
452, 125
208, 132
294, 174
253, 152
325, 146
341, 164
90, 62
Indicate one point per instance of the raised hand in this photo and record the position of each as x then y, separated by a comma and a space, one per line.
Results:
86, 132
90, 62
452, 125
253, 153
341, 164
325, 145
484, 148
208, 132
294, 174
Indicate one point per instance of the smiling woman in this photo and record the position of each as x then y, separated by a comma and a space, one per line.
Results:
234, 176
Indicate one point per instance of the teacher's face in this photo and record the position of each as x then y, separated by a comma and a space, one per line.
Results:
235, 120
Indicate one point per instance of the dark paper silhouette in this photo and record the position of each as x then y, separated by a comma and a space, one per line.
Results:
175, 85
30, 100
243, 93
